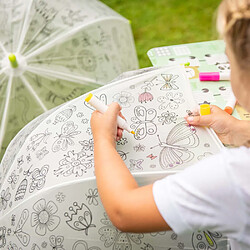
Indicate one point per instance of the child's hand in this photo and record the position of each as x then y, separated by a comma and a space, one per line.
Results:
104, 126
227, 128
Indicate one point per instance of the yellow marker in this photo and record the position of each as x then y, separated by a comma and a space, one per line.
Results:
101, 107
204, 109
13, 61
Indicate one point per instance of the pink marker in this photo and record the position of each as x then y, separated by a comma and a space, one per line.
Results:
214, 76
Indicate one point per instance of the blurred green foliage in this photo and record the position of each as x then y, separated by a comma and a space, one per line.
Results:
158, 23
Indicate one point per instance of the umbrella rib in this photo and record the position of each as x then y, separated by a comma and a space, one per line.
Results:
25, 27
5, 112
32, 91
66, 35
3, 48
64, 76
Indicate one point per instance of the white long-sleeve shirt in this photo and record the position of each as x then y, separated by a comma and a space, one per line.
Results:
214, 194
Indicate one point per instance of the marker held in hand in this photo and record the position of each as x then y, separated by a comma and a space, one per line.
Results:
101, 107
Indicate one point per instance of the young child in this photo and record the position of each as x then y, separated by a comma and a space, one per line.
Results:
214, 194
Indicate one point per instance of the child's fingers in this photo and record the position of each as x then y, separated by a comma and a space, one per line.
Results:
113, 110
205, 120
119, 133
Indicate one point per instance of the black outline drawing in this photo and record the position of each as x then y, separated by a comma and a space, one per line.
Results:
92, 196
37, 139
4, 198
68, 131
13, 220
41, 153
44, 218
169, 82
180, 245
60, 197
56, 242
23, 237
38, 178
120, 240
171, 100
143, 124
22, 188
147, 247
74, 163
64, 115
122, 141
205, 240
146, 96
122, 154
13, 179
175, 151
83, 245
87, 144
80, 218
73, 17
2, 237
135, 164
139, 147
124, 99
86, 61
167, 117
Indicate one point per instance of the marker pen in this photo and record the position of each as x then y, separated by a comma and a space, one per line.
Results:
230, 104
101, 107
205, 109
214, 76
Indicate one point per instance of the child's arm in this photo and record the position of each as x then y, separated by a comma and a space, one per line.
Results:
129, 207
230, 130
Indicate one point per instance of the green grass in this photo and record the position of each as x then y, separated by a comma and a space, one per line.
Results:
166, 22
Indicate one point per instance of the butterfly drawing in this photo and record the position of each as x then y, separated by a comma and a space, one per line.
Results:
68, 131
206, 240
175, 151
120, 240
143, 122
38, 178
169, 82
56, 242
12, 179
135, 164
23, 237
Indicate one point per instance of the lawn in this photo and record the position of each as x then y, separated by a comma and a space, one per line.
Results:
166, 22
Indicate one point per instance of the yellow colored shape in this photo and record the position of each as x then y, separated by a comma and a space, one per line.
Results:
205, 109
13, 61
133, 132
89, 96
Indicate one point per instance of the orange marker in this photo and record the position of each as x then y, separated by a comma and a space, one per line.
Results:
230, 104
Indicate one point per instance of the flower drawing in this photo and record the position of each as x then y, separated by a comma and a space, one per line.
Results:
74, 163
43, 218
171, 100
167, 117
124, 99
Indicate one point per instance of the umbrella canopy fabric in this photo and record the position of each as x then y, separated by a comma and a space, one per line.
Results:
54, 51
52, 157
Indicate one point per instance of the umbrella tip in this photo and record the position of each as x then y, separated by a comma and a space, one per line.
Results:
13, 61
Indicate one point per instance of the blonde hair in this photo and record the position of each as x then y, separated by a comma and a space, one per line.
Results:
233, 23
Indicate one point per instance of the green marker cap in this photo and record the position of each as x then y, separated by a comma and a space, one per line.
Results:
13, 61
